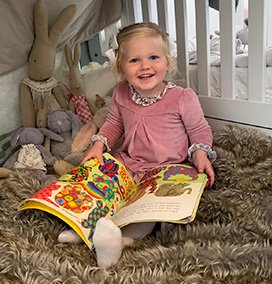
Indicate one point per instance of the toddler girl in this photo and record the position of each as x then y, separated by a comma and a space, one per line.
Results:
160, 122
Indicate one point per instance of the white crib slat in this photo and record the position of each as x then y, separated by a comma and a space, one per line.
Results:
256, 50
227, 48
182, 42
128, 16
145, 10
161, 14
203, 48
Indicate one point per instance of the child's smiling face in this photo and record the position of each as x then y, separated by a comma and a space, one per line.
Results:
145, 65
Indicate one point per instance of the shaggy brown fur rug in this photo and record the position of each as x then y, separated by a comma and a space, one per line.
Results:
229, 241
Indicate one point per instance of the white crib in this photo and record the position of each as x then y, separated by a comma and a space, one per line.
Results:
254, 110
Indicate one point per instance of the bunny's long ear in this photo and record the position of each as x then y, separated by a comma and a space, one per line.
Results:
62, 20
76, 124
51, 134
68, 56
77, 53
40, 19
15, 136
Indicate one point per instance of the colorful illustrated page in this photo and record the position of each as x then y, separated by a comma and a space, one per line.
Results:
85, 194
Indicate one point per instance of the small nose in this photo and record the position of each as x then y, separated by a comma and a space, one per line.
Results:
145, 65
59, 122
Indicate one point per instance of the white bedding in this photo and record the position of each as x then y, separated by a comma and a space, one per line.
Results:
241, 62
241, 82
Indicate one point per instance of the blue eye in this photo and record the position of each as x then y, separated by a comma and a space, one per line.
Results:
133, 60
153, 57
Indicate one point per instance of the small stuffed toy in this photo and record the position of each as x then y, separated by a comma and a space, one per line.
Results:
78, 103
83, 138
40, 86
31, 155
66, 124
242, 34
99, 101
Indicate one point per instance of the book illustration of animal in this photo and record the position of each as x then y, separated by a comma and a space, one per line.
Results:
173, 189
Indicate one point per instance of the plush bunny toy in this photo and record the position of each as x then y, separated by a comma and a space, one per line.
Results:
78, 103
40, 86
83, 138
32, 155
66, 124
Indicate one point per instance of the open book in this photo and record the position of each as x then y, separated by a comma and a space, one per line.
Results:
90, 191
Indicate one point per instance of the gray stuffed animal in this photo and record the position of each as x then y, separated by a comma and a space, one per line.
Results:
32, 155
66, 124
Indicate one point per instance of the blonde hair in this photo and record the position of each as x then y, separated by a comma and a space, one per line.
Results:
141, 30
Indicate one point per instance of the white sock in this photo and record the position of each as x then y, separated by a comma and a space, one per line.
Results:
69, 236
107, 240
127, 241
136, 231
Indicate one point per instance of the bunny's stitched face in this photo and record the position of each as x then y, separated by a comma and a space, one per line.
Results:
42, 55
41, 62
30, 136
59, 122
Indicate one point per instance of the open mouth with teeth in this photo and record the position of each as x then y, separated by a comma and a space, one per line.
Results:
145, 76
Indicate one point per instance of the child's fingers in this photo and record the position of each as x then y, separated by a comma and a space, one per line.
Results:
207, 168
98, 157
100, 160
86, 158
209, 171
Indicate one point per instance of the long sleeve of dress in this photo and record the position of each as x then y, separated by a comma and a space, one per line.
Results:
196, 125
113, 127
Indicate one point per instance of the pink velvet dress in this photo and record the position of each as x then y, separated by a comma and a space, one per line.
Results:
156, 134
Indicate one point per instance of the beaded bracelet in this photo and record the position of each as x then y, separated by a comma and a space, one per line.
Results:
211, 154
101, 138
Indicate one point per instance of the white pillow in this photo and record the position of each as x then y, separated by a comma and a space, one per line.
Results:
215, 44
99, 79
241, 60
269, 56
192, 44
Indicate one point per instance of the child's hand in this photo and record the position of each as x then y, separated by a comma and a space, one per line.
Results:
95, 152
203, 164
